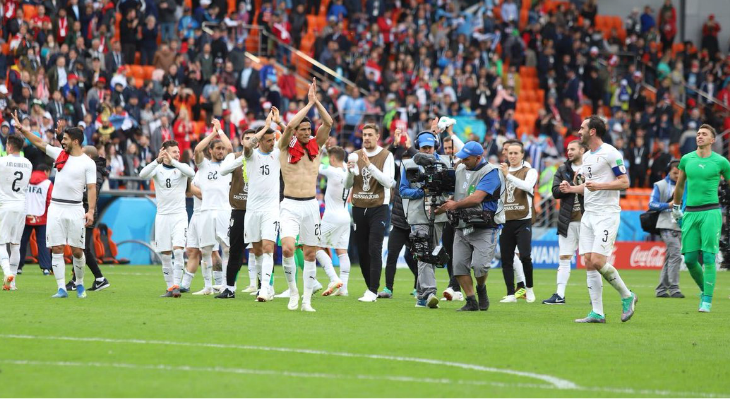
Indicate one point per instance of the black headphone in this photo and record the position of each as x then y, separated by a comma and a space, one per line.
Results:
671, 164
436, 145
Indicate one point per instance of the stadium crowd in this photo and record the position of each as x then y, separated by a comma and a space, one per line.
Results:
411, 61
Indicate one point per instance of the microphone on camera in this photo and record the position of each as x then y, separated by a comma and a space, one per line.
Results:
424, 160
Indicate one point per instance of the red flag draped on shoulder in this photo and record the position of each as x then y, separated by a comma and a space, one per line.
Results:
297, 151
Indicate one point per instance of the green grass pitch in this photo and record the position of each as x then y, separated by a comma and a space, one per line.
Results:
126, 341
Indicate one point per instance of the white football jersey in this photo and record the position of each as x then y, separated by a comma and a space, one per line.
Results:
170, 187
263, 171
196, 201
603, 166
335, 198
214, 185
15, 174
72, 179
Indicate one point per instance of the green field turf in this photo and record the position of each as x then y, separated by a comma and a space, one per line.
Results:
126, 341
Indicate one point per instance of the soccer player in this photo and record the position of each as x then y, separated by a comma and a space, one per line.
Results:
604, 174
75, 171
261, 223
192, 244
701, 221
171, 182
237, 198
215, 211
15, 171
299, 212
571, 211
336, 221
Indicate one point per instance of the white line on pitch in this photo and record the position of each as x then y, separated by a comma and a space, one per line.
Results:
410, 379
556, 382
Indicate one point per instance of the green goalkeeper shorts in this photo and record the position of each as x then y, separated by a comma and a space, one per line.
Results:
296, 243
701, 231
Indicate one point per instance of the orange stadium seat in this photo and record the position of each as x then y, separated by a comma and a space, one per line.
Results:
29, 11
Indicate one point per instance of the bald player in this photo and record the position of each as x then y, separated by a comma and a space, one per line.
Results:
299, 212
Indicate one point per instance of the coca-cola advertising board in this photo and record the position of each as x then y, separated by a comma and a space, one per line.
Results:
635, 255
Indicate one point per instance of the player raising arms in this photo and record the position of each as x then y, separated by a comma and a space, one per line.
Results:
701, 223
15, 171
336, 221
605, 176
75, 171
261, 222
171, 182
215, 211
299, 212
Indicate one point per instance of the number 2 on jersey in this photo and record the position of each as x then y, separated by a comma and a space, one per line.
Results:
18, 177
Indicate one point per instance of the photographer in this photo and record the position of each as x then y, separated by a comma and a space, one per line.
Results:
413, 194
478, 189
662, 200
520, 184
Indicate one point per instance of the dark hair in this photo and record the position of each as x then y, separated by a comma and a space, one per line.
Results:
517, 143
580, 144
248, 132
75, 133
16, 141
306, 119
169, 143
43, 167
595, 122
213, 143
709, 128
509, 142
447, 139
337, 153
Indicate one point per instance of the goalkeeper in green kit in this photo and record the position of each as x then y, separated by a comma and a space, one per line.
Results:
702, 219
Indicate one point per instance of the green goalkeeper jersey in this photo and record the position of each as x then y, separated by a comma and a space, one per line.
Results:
703, 177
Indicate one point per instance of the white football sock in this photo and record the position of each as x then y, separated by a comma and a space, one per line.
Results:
259, 264
563, 276
14, 258
251, 269
344, 269
519, 270
289, 266
206, 264
267, 269
59, 270
595, 290
326, 262
5, 260
612, 276
187, 279
167, 269
79, 264
309, 274
177, 266
224, 260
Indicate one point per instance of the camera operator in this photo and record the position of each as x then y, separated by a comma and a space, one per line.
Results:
451, 145
520, 184
478, 189
414, 194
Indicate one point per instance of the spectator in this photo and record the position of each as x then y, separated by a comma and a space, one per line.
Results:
647, 20
710, 29
148, 42
115, 162
167, 18
129, 33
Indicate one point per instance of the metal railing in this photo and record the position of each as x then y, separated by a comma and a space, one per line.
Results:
331, 75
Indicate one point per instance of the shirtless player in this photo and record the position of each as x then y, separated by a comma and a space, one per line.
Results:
299, 212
